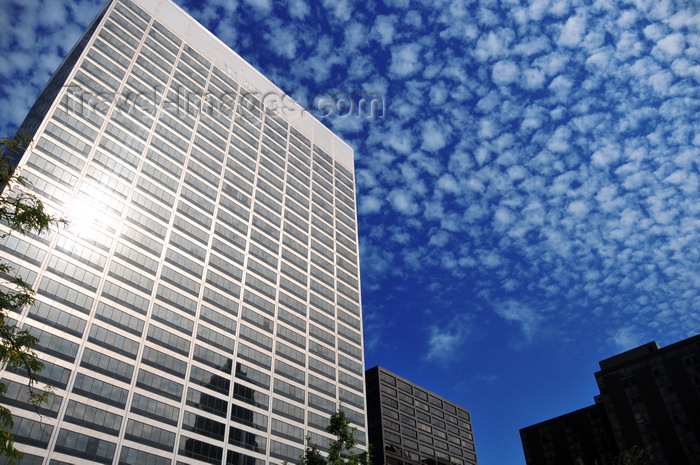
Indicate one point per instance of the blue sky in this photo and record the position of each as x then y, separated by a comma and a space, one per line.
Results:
528, 205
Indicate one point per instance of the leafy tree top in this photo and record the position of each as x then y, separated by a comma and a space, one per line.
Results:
23, 212
342, 450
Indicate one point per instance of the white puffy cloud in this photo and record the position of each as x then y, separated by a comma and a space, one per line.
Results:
435, 135
606, 156
439, 239
341, 10
369, 204
403, 202
525, 316
505, 72
405, 59
573, 31
447, 183
283, 41
298, 9
670, 46
493, 45
53, 14
626, 338
533, 79
262, 5
578, 208
445, 341
384, 28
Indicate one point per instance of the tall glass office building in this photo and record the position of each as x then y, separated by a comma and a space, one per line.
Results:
202, 303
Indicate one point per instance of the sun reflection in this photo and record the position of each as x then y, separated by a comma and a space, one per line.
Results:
93, 214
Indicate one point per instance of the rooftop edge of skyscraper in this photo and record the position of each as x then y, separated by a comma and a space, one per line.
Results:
202, 40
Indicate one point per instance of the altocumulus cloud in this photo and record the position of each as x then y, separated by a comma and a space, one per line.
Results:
536, 167
542, 155
444, 342
528, 319
405, 60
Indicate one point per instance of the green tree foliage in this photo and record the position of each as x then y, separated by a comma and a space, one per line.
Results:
341, 450
634, 456
24, 213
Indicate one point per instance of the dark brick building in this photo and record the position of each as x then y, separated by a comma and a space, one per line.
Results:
584, 433
409, 425
649, 397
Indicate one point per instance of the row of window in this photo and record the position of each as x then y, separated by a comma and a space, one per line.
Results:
58, 346
271, 123
186, 266
86, 415
161, 196
427, 455
276, 187
83, 414
134, 325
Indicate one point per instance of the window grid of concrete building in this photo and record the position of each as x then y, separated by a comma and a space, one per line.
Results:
202, 304
408, 424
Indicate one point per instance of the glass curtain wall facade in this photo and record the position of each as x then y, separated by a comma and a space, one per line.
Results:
202, 304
